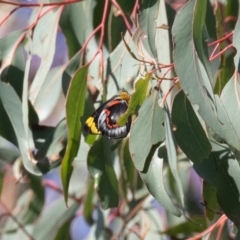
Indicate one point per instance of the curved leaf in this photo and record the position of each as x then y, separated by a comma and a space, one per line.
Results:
101, 170
194, 81
51, 225
147, 130
13, 107
147, 22
154, 179
74, 110
44, 42
189, 133
223, 171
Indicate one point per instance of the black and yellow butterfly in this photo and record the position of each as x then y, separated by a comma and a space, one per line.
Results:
104, 119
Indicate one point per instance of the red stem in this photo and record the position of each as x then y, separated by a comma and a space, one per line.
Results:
39, 4
8, 213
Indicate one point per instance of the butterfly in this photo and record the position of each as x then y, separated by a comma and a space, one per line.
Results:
104, 120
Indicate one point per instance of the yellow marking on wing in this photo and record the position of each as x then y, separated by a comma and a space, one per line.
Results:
92, 125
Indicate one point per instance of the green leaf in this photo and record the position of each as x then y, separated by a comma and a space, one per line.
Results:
200, 35
101, 170
209, 200
137, 98
236, 39
198, 224
130, 178
189, 133
223, 171
88, 205
147, 22
74, 110
8, 42
147, 130
36, 204
53, 147
120, 60
13, 108
195, 82
51, 224
64, 231
152, 176
45, 98
172, 156
230, 99
44, 44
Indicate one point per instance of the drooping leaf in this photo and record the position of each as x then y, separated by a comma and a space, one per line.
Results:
8, 42
44, 42
209, 200
200, 35
147, 130
198, 224
118, 60
13, 108
147, 22
89, 206
64, 231
152, 176
35, 205
172, 157
236, 39
54, 146
230, 99
223, 171
195, 82
51, 225
101, 170
74, 110
189, 133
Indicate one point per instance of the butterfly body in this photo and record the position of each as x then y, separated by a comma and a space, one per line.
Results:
104, 120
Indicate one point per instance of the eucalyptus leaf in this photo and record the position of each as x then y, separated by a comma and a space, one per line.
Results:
147, 130
189, 133
222, 170
154, 180
74, 111
101, 170
195, 81
51, 225
147, 22
13, 108
44, 42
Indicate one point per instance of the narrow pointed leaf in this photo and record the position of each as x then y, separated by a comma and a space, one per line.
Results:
74, 110
195, 82
223, 171
172, 156
154, 180
44, 44
147, 22
101, 169
189, 133
13, 107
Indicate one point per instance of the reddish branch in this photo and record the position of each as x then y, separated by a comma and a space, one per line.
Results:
8, 213
219, 224
40, 4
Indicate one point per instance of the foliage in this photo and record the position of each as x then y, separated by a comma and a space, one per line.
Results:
176, 175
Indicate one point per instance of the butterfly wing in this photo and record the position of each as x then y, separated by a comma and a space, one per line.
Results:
91, 124
107, 121
104, 119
